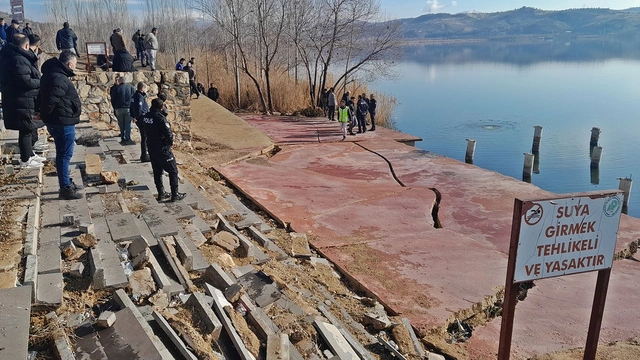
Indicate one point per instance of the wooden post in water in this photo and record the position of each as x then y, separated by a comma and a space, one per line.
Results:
471, 150
595, 175
625, 186
596, 154
527, 170
537, 136
595, 136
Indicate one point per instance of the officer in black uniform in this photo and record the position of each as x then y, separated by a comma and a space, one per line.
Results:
159, 141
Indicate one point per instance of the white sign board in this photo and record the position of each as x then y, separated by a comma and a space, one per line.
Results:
96, 48
16, 3
567, 236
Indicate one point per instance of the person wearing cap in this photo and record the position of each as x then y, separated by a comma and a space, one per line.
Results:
12, 30
66, 39
27, 30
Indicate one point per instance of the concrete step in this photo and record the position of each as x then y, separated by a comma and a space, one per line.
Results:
15, 319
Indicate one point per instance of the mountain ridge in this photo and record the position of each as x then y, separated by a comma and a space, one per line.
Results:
525, 21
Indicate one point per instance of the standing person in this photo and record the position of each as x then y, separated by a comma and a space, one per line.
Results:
3, 32
331, 104
352, 112
344, 116
12, 30
213, 93
135, 38
322, 102
27, 29
159, 141
117, 41
60, 109
66, 39
139, 108
20, 81
142, 53
190, 68
361, 114
180, 64
346, 97
201, 88
121, 95
151, 45
372, 112
366, 99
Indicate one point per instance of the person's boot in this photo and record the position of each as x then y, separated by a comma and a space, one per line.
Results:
69, 193
163, 195
177, 196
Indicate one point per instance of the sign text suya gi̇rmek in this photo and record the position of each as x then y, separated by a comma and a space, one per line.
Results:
567, 236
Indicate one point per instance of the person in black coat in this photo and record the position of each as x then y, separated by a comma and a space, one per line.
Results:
60, 109
20, 80
139, 108
27, 29
66, 39
213, 93
372, 111
159, 142
123, 61
12, 30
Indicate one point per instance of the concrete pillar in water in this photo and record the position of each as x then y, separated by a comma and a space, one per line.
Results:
595, 136
536, 163
625, 186
595, 176
537, 136
596, 154
471, 150
528, 167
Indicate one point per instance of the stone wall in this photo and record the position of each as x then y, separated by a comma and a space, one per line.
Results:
96, 101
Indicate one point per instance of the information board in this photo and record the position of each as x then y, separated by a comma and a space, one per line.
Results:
567, 236
97, 48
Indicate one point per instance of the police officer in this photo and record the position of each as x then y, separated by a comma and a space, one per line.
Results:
159, 141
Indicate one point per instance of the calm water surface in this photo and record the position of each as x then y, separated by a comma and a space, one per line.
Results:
496, 94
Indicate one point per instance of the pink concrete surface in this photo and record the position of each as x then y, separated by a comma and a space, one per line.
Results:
298, 130
556, 314
381, 234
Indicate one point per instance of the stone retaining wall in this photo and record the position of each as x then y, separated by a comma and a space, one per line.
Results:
96, 101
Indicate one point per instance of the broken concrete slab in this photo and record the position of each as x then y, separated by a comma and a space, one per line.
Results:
260, 287
175, 339
87, 228
49, 259
141, 260
77, 268
106, 319
160, 223
49, 291
159, 276
234, 292
355, 344
250, 218
15, 317
266, 243
243, 270
219, 305
203, 227
117, 340
199, 263
49, 234
31, 274
121, 298
196, 234
212, 324
417, 346
62, 347
106, 270
179, 210
300, 245
141, 283
252, 251
217, 277
184, 253
226, 240
123, 227
137, 246
278, 347
335, 340
168, 251
377, 317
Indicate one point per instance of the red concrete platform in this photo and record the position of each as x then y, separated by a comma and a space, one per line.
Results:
381, 234
288, 130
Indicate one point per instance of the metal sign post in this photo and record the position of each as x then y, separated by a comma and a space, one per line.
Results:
17, 10
554, 237
96, 48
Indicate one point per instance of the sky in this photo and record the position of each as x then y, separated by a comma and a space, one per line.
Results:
36, 9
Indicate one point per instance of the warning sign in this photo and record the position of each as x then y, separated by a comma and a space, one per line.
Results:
567, 236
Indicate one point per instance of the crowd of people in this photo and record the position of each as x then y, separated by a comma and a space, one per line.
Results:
351, 112
196, 87
34, 97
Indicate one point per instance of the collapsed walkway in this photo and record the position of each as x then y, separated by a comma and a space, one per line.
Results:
427, 235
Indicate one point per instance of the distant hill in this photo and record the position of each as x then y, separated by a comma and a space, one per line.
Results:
525, 21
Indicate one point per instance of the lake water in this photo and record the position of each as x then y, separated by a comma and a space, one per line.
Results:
496, 93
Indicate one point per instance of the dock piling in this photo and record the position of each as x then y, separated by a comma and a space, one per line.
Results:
595, 136
527, 169
596, 154
471, 150
537, 136
625, 186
